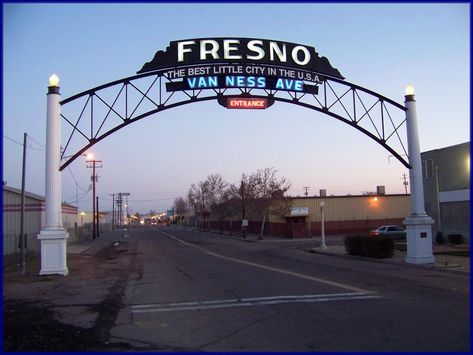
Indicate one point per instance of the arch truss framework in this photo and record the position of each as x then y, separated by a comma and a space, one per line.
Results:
97, 113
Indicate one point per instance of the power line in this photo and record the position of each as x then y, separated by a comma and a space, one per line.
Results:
73, 178
14, 141
21, 144
34, 140
80, 198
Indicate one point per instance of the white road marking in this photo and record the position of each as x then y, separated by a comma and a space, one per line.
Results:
270, 268
291, 273
176, 239
248, 302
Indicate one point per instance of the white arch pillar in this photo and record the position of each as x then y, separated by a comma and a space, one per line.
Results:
419, 224
53, 237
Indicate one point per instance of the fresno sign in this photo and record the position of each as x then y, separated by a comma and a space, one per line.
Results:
220, 63
240, 50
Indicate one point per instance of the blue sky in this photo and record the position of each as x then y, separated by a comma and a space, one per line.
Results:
382, 47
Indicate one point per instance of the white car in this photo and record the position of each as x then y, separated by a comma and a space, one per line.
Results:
396, 232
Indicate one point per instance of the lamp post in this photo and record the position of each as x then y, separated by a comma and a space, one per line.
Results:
419, 224
437, 194
323, 246
52, 235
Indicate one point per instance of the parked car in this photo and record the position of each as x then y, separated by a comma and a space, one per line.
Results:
396, 232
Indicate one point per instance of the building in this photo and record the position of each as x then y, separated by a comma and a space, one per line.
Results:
34, 218
343, 215
446, 174
85, 218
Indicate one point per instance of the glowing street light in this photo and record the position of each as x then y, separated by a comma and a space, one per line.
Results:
410, 89
54, 80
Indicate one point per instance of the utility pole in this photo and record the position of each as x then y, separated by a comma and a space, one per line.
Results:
126, 208
242, 192
119, 201
98, 220
113, 211
22, 217
405, 183
306, 188
94, 179
437, 193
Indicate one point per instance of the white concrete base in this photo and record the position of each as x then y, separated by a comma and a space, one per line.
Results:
53, 252
419, 240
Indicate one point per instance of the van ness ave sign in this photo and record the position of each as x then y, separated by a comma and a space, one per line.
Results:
242, 51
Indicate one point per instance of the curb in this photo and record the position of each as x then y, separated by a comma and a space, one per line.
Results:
445, 268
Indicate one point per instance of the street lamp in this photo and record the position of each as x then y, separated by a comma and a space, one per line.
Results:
418, 223
323, 246
53, 236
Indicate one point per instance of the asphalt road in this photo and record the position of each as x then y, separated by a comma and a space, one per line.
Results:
198, 291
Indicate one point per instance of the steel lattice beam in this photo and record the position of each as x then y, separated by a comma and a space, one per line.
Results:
97, 113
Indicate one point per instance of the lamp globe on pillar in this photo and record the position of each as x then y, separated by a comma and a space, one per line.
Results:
54, 80
410, 90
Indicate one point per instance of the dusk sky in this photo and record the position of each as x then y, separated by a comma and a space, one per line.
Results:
382, 47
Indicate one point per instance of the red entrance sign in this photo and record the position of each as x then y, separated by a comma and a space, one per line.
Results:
247, 103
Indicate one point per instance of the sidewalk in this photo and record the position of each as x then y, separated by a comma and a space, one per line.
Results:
336, 247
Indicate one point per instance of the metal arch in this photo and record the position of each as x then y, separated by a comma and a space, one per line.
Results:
352, 108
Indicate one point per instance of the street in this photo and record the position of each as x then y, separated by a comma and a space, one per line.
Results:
200, 291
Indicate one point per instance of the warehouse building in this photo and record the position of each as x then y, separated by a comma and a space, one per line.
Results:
33, 220
343, 215
446, 174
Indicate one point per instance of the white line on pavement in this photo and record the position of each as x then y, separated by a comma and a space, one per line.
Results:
248, 302
291, 273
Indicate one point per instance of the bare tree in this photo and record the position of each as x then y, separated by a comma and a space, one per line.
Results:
217, 195
198, 195
245, 194
269, 194
190, 208
180, 208
226, 207
259, 194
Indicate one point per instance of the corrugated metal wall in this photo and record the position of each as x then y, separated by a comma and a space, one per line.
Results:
12, 220
34, 219
350, 208
12, 213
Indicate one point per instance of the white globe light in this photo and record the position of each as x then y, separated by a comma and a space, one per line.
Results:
53, 80
409, 89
